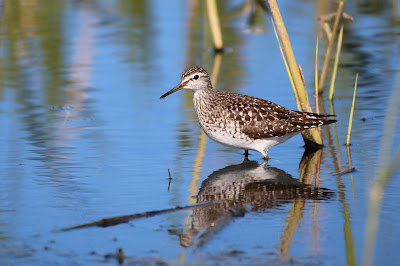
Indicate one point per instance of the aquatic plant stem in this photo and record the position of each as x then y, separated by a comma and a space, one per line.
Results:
316, 79
330, 45
311, 136
335, 65
351, 169
351, 113
386, 169
287, 47
336, 140
215, 26
286, 66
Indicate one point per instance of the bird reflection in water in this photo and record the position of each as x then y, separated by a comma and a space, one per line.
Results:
248, 186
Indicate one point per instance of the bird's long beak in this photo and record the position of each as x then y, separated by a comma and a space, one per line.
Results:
176, 88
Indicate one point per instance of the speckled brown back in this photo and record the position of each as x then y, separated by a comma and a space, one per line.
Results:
255, 117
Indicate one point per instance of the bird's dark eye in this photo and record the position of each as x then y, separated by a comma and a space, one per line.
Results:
196, 76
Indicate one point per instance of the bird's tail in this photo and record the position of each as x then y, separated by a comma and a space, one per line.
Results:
313, 120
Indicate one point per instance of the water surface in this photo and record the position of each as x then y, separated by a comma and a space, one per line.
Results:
85, 136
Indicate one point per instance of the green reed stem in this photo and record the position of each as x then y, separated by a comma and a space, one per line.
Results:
351, 113
316, 78
286, 66
335, 66
330, 45
387, 167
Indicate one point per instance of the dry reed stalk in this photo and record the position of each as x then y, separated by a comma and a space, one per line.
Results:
311, 136
215, 26
286, 66
330, 45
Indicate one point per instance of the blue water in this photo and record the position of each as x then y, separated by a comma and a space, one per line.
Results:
85, 136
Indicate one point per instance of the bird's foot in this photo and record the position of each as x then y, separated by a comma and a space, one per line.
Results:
246, 155
266, 158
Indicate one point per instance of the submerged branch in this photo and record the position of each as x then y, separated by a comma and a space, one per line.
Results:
126, 218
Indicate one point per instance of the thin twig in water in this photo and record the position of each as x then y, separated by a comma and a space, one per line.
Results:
347, 171
126, 218
170, 178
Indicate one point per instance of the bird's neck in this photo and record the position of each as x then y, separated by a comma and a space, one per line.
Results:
203, 100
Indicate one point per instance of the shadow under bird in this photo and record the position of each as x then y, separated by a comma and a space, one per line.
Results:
242, 121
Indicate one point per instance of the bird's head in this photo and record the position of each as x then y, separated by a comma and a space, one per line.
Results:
194, 78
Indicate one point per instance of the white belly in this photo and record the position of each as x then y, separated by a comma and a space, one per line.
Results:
241, 141
228, 131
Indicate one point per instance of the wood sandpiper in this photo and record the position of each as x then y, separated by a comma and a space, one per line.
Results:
242, 121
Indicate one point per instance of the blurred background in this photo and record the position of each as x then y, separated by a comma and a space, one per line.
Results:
85, 136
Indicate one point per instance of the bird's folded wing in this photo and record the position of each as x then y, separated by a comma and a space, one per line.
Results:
269, 129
